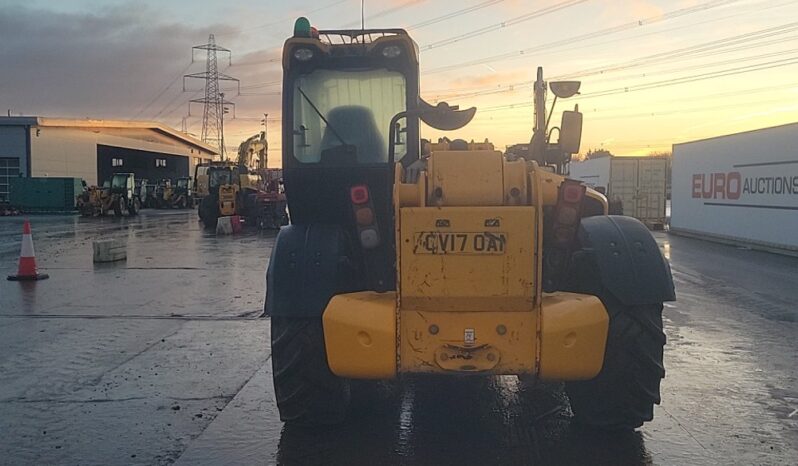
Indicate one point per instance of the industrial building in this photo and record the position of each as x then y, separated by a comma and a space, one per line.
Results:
94, 149
739, 188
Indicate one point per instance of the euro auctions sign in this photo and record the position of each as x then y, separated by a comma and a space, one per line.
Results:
741, 187
734, 185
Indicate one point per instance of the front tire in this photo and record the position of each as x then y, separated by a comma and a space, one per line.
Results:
307, 392
120, 207
135, 207
624, 393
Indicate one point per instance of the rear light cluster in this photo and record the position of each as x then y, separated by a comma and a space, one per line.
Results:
568, 212
365, 219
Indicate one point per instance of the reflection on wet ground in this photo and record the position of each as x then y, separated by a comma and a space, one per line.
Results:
433, 421
161, 358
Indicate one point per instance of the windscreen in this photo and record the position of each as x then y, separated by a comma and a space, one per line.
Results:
119, 181
357, 106
220, 176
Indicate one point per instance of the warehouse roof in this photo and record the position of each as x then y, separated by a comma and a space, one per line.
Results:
114, 124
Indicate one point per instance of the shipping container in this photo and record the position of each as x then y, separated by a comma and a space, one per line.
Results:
44, 194
639, 183
741, 187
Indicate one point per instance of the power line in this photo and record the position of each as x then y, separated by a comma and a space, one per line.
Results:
700, 66
688, 110
283, 20
384, 12
248, 94
667, 83
756, 7
504, 24
687, 51
179, 104
735, 94
591, 35
168, 104
442, 92
162, 92
658, 104
454, 14
699, 77
262, 84
707, 49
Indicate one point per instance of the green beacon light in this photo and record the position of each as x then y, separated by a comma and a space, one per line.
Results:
302, 27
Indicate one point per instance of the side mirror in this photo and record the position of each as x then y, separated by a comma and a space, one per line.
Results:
570, 132
443, 116
565, 89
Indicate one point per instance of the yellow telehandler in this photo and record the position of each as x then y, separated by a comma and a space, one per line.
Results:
465, 261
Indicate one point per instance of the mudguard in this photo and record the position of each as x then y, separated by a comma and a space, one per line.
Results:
631, 264
309, 265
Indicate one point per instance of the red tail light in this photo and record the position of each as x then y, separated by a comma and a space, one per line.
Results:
573, 191
365, 218
359, 194
567, 213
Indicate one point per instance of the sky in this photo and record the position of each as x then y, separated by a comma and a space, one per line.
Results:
653, 72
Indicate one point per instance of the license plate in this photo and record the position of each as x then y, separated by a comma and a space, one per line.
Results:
439, 242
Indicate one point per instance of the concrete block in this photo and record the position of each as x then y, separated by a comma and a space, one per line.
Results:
110, 250
224, 226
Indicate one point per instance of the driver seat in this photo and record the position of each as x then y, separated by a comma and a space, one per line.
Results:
357, 126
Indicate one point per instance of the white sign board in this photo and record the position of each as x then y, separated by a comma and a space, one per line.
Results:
741, 187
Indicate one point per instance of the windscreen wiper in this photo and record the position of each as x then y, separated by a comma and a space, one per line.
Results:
315, 109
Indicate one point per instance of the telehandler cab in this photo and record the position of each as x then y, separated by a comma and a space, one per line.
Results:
468, 262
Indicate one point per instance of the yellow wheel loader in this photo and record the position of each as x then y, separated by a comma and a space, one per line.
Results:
120, 196
463, 262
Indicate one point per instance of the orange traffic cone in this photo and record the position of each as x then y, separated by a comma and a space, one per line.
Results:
27, 258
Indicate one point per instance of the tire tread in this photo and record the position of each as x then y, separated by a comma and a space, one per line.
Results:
307, 392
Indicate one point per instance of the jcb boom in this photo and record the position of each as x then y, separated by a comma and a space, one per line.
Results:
455, 259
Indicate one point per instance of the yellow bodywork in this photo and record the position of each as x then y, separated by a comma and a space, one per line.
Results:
360, 335
227, 199
250, 181
469, 298
465, 265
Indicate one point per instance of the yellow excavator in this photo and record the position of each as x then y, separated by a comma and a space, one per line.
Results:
462, 261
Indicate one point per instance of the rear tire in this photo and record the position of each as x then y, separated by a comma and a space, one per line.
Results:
623, 394
307, 392
208, 212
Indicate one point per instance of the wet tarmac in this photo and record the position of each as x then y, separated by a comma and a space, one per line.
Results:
162, 358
